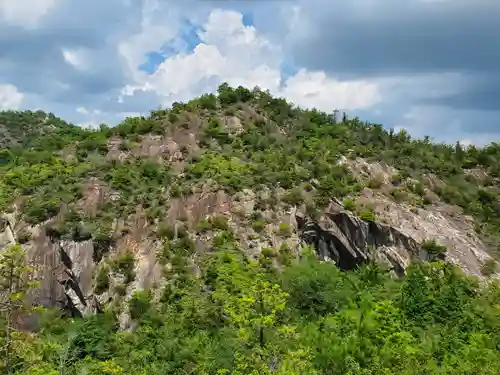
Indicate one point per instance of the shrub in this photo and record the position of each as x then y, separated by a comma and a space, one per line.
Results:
259, 225
172, 117
285, 230
375, 183
285, 254
182, 246
294, 197
349, 204
204, 226
121, 289
102, 280
102, 241
208, 101
266, 257
399, 195
367, 214
219, 222
267, 252
433, 247
81, 232
396, 179
165, 230
417, 188
139, 304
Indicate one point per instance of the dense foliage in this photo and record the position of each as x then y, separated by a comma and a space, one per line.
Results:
239, 317
281, 314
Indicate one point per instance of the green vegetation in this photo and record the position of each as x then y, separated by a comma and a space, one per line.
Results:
285, 230
349, 204
433, 248
124, 264
367, 214
241, 316
278, 313
102, 280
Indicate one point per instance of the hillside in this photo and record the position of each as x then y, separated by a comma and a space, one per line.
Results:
190, 242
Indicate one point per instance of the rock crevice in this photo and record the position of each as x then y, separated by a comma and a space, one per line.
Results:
349, 242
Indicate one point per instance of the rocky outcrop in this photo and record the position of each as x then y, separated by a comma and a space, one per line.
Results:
67, 269
348, 241
446, 224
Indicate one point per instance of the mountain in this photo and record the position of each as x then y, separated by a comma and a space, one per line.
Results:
25, 128
194, 240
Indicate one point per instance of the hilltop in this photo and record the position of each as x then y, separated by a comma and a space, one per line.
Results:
189, 219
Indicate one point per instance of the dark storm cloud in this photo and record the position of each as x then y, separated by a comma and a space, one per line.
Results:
363, 38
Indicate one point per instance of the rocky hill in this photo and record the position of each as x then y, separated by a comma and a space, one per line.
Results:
104, 215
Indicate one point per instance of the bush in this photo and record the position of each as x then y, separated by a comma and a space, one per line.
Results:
285, 254
183, 246
399, 195
165, 230
349, 205
139, 304
102, 280
102, 241
396, 179
315, 288
375, 183
285, 230
219, 222
433, 247
293, 197
417, 188
259, 225
204, 226
267, 252
208, 101
121, 289
368, 214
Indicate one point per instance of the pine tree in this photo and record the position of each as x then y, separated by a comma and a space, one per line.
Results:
459, 152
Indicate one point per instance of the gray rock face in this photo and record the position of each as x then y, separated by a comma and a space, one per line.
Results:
349, 241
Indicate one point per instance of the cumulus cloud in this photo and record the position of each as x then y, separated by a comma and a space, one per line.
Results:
386, 61
10, 98
232, 52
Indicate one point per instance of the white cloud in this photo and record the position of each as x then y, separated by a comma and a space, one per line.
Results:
78, 58
25, 13
316, 89
82, 110
10, 97
232, 52
152, 37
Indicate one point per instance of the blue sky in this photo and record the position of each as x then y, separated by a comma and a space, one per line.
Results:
430, 66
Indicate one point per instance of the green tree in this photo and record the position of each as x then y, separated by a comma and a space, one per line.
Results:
15, 281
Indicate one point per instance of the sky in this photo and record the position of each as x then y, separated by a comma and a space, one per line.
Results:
431, 67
